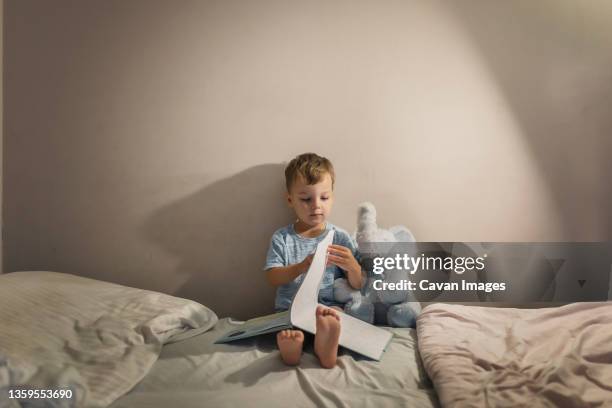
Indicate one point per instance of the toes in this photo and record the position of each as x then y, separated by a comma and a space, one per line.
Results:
296, 335
330, 312
324, 311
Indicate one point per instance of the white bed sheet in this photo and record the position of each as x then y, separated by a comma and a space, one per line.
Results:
96, 339
198, 373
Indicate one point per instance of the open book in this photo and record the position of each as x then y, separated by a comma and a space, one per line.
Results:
355, 334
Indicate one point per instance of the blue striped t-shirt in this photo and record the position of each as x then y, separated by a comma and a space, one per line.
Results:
287, 247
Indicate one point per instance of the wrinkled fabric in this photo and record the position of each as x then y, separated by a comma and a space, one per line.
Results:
250, 373
496, 357
97, 339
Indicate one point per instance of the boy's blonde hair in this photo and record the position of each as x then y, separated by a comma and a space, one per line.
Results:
311, 167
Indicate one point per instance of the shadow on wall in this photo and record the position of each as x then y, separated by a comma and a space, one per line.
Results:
555, 69
220, 236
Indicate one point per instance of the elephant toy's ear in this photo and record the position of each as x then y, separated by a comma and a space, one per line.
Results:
402, 234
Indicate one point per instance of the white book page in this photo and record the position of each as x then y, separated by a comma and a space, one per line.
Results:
306, 299
363, 338
355, 334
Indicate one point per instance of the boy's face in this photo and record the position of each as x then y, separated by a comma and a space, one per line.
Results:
312, 203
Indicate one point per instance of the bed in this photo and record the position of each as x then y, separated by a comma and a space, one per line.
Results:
123, 347
198, 373
504, 357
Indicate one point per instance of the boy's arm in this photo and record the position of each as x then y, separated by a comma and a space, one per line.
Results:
355, 278
284, 274
343, 257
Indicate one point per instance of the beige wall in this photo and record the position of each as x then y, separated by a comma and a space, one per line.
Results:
145, 139
1, 132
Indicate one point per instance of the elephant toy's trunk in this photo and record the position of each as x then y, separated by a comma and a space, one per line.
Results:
366, 220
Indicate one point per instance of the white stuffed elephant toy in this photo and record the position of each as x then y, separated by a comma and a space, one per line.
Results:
392, 308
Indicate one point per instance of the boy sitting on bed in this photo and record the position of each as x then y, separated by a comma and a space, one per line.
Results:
310, 182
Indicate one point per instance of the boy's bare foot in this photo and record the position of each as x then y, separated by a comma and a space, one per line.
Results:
290, 344
327, 335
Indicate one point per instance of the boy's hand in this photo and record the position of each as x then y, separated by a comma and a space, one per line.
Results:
342, 257
305, 264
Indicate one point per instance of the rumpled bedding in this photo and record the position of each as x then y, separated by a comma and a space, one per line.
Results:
97, 339
496, 357
198, 373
